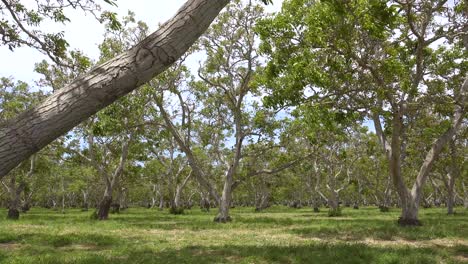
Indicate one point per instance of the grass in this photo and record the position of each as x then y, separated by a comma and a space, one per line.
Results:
277, 235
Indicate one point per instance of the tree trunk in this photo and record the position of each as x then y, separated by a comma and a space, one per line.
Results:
450, 199
465, 195
263, 202
15, 199
67, 107
333, 203
225, 202
27, 201
105, 204
204, 202
409, 212
177, 207
85, 205
161, 203
177, 197
454, 172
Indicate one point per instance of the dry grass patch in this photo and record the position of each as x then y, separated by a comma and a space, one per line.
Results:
9, 246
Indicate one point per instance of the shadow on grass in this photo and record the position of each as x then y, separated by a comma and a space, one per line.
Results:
59, 240
355, 229
315, 253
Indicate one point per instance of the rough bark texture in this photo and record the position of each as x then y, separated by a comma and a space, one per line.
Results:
104, 206
15, 199
67, 107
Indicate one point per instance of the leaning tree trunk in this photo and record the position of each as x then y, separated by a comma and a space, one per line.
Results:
67, 107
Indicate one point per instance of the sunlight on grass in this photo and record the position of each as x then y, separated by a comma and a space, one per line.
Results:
277, 235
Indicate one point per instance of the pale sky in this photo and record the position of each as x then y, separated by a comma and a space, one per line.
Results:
85, 33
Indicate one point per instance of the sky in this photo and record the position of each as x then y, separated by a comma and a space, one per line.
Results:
85, 33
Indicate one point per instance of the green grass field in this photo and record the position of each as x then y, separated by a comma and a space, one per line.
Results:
277, 235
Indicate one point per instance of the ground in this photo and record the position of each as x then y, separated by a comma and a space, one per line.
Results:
277, 235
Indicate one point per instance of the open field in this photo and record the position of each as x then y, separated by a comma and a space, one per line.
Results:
277, 235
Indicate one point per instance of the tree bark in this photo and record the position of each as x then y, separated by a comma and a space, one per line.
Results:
450, 198
85, 205
67, 107
105, 204
465, 195
15, 199
225, 202
449, 182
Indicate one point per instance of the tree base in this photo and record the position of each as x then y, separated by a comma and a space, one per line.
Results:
25, 208
221, 219
334, 212
316, 210
115, 208
356, 207
409, 222
104, 208
384, 209
176, 210
13, 214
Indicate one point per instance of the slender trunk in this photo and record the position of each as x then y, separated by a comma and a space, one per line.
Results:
204, 202
177, 207
85, 205
177, 197
454, 172
465, 195
15, 199
27, 201
63, 195
161, 202
450, 200
225, 202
